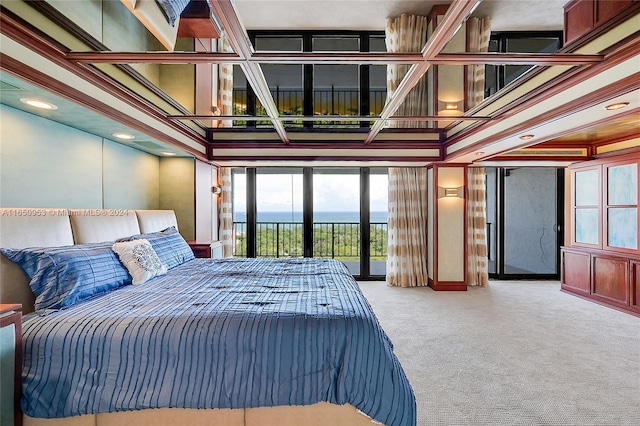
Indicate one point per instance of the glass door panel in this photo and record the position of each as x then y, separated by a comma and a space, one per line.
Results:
239, 194
378, 214
279, 213
336, 216
530, 222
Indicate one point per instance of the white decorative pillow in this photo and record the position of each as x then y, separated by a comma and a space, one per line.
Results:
140, 259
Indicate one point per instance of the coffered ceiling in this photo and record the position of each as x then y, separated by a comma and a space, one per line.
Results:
560, 101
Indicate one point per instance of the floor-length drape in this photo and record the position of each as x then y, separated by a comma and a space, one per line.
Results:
478, 34
225, 212
407, 33
225, 84
407, 229
477, 261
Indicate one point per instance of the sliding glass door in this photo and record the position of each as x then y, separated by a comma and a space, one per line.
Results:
323, 212
336, 216
525, 216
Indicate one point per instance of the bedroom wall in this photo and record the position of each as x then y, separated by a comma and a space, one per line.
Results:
177, 192
47, 164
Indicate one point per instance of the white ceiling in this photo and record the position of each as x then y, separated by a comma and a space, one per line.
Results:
506, 15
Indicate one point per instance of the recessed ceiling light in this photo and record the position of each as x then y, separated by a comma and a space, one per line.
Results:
125, 136
527, 137
479, 153
615, 106
168, 153
37, 103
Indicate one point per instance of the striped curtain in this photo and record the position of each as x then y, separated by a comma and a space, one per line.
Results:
477, 261
478, 34
225, 84
407, 233
225, 212
407, 33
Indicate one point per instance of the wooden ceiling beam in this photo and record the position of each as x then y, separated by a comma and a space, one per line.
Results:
334, 58
455, 17
239, 41
515, 59
330, 118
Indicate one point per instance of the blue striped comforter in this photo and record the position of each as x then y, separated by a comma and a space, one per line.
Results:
232, 333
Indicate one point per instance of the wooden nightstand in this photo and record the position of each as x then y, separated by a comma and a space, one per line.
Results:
205, 248
11, 363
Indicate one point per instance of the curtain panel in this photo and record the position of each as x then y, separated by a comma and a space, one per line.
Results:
225, 210
407, 233
477, 260
478, 35
225, 84
407, 33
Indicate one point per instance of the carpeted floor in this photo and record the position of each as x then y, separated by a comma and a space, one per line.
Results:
513, 353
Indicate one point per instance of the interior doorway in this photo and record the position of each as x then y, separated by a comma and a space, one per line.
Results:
525, 214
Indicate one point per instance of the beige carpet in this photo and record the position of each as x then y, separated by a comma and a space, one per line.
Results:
513, 353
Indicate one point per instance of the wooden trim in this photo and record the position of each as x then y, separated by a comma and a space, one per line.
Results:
357, 58
599, 296
45, 81
552, 88
497, 58
634, 286
456, 14
434, 206
600, 95
362, 158
620, 308
448, 286
24, 35
335, 146
13, 315
328, 117
633, 150
599, 28
68, 25
565, 158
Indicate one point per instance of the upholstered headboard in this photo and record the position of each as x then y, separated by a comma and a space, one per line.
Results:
35, 227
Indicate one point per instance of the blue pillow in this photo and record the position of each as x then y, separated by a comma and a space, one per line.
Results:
63, 276
169, 245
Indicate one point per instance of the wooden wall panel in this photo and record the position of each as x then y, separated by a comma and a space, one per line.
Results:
635, 286
576, 272
609, 8
610, 279
578, 19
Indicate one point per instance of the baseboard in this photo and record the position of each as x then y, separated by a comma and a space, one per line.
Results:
447, 285
625, 309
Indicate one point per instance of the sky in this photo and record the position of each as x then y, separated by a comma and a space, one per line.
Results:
332, 193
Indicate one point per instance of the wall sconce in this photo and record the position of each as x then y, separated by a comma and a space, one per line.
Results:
450, 108
451, 192
216, 190
216, 111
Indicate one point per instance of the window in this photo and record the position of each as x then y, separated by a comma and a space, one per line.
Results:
498, 76
315, 90
338, 213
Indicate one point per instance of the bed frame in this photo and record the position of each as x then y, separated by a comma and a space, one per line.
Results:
40, 227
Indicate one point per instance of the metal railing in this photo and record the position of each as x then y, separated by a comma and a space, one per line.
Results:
326, 102
336, 240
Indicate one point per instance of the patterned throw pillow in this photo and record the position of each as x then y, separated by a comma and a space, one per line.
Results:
63, 276
140, 259
169, 245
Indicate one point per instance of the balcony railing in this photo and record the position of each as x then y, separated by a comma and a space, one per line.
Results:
337, 240
330, 101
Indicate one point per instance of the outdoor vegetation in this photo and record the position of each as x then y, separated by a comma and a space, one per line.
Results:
330, 240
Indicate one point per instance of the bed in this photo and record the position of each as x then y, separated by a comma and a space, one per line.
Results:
211, 341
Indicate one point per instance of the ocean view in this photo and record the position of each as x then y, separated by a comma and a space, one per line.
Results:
328, 217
